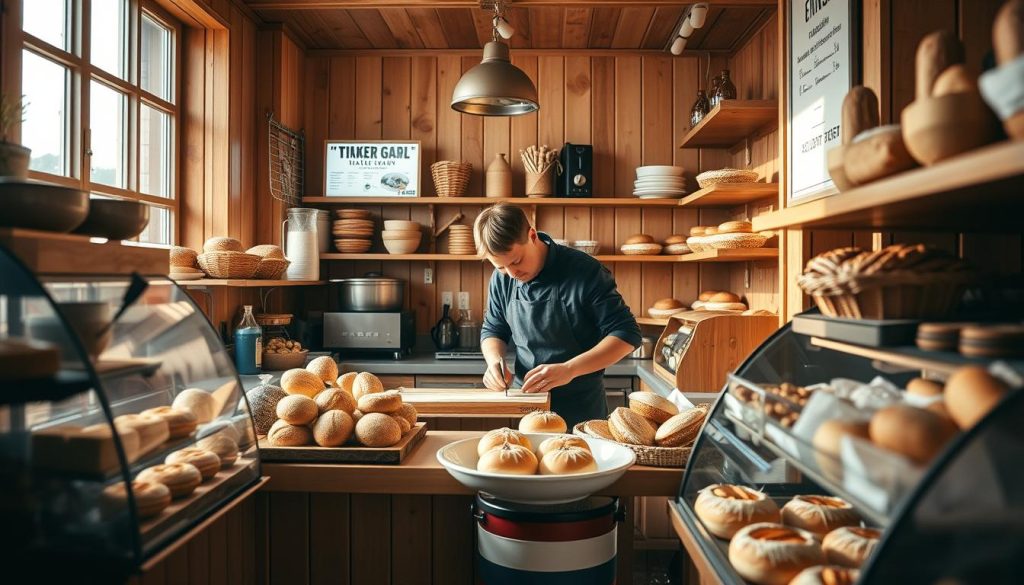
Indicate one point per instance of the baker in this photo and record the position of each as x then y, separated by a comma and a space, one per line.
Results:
561, 309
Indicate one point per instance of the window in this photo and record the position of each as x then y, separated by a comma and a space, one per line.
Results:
101, 88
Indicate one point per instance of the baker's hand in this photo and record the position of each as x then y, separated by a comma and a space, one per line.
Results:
497, 377
545, 378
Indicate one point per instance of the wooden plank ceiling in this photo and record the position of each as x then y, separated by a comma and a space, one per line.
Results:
639, 27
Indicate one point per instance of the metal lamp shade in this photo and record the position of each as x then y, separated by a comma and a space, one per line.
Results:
495, 87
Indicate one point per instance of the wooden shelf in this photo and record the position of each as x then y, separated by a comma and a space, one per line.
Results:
726, 194
237, 283
979, 191
730, 122
738, 255
51, 253
541, 201
410, 257
910, 357
651, 321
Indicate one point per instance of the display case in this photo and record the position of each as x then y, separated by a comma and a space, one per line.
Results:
121, 374
956, 517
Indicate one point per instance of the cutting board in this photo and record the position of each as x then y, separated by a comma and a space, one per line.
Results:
392, 455
467, 401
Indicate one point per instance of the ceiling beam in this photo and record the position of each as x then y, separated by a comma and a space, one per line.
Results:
346, 4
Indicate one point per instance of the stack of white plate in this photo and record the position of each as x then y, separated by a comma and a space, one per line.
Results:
659, 182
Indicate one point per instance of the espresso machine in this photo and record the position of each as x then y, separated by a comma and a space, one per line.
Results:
367, 317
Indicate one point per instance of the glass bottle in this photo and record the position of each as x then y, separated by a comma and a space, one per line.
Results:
248, 344
726, 90
713, 97
700, 108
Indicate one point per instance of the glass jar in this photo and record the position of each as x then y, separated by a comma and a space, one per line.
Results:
700, 108
713, 98
725, 90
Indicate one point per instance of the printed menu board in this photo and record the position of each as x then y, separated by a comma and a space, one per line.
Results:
372, 168
820, 75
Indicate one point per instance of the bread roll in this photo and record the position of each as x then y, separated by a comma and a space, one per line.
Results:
859, 112
205, 461
385, 402
923, 387
153, 430
333, 428
668, 303
199, 402
508, 459
282, 434
263, 401
916, 433
827, 440
222, 244
675, 239
736, 227
345, 381
567, 460
150, 498
297, 409
561, 441
357, 414
335, 399
182, 257
725, 508
652, 406
302, 381
850, 546
180, 478
325, 367
698, 230
366, 383
629, 427
681, 430
222, 446
935, 53
723, 297
375, 429
955, 79
404, 424
408, 412
498, 437
772, 554
819, 514
706, 295
826, 575
971, 392
639, 239
542, 421
267, 251
598, 428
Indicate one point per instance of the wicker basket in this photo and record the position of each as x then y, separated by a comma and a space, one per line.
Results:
222, 244
653, 456
229, 264
709, 178
183, 257
588, 247
271, 269
450, 177
284, 361
735, 241
273, 319
895, 295
641, 249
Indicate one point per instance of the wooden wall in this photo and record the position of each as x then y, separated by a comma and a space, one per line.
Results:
632, 108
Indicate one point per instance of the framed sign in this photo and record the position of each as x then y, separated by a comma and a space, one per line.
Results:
821, 66
372, 168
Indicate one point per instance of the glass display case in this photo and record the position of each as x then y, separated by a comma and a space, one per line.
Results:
957, 517
106, 380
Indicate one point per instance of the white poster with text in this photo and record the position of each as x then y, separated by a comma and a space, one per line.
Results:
372, 169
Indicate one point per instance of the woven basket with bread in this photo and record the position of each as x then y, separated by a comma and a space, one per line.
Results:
451, 178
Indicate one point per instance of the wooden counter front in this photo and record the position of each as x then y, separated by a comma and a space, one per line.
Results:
421, 473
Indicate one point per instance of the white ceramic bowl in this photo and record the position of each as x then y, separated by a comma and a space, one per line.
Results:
659, 171
401, 225
613, 459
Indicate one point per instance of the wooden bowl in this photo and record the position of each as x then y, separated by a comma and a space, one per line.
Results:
401, 225
284, 361
401, 246
401, 234
875, 154
114, 219
937, 128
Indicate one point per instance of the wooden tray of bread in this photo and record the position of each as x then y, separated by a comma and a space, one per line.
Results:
392, 455
471, 401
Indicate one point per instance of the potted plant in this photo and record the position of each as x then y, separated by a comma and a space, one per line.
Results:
14, 158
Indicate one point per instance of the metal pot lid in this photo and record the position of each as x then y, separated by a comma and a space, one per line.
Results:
369, 280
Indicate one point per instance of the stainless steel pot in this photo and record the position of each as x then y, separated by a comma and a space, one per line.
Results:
370, 294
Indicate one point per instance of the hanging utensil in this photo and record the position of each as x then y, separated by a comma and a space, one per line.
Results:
448, 224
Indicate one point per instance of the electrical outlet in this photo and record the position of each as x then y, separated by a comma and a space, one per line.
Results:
446, 298
428, 276
463, 301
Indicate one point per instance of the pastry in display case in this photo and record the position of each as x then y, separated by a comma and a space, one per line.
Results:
122, 422
862, 465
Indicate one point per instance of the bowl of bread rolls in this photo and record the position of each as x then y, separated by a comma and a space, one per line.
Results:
536, 468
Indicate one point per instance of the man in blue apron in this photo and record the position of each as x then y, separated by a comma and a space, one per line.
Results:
561, 308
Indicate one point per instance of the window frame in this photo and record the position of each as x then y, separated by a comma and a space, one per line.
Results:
77, 103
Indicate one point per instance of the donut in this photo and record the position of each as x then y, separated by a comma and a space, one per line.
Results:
205, 461
772, 554
850, 546
819, 514
725, 508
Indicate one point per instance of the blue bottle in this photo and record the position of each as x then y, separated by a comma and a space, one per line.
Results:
248, 344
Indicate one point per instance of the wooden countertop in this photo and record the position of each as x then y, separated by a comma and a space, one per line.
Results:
420, 473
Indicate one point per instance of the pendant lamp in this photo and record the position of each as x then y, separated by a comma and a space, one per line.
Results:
495, 87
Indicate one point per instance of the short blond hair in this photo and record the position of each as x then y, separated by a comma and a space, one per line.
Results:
499, 227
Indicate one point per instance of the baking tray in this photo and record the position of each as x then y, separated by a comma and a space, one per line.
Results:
392, 455
869, 332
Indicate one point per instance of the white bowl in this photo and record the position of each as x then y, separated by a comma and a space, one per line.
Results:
659, 171
401, 225
460, 459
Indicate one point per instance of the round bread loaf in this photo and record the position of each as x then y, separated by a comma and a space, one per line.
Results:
222, 244
375, 429
567, 460
826, 575
508, 459
263, 401
639, 239
698, 230
598, 428
205, 461
827, 440
325, 368
302, 381
335, 399
333, 428
923, 387
357, 414
819, 514
971, 392
542, 421
735, 227
182, 257
498, 437
652, 406
180, 478
408, 412
386, 402
404, 424
297, 409
725, 508
180, 423
772, 554
221, 445
153, 430
366, 383
706, 295
553, 443
668, 303
282, 434
711, 230
267, 251
850, 546
346, 380
681, 430
199, 402
914, 432
150, 498
629, 427
723, 297
675, 239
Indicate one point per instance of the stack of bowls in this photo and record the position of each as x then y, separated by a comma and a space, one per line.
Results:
659, 182
401, 236
460, 241
353, 231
